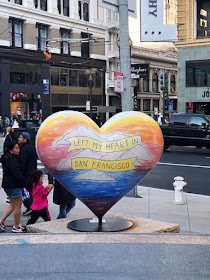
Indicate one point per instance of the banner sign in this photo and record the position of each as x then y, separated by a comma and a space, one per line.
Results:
152, 27
46, 86
139, 71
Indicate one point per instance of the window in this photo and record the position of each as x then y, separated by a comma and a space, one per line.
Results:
25, 73
82, 79
16, 33
55, 76
43, 5
66, 8
146, 104
42, 37
85, 52
83, 10
196, 122
65, 46
98, 79
146, 85
59, 6
155, 82
64, 77
173, 84
36, 3
203, 19
18, 2
73, 77
179, 120
155, 103
198, 73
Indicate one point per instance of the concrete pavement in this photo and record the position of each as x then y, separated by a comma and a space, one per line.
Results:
115, 256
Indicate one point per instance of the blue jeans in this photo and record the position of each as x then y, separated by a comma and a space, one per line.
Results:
64, 209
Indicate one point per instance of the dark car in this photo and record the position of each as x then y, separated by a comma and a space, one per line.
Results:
187, 130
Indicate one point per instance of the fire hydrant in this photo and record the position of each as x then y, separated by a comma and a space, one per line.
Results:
179, 184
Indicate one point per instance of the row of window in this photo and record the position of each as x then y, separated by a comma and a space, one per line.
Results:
72, 77
155, 103
198, 73
83, 8
155, 84
16, 37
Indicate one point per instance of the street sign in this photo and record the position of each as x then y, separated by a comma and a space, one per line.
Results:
46, 86
171, 107
118, 82
87, 105
152, 27
114, 6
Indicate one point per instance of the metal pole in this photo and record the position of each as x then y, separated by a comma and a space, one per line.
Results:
125, 62
125, 65
91, 96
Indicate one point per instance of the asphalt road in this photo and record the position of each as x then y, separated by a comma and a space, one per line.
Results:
189, 162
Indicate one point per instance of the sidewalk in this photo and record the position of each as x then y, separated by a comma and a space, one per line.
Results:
155, 204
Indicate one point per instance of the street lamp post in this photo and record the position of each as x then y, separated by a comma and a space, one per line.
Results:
90, 73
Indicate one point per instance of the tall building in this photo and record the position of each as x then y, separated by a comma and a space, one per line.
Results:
73, 33
193, 56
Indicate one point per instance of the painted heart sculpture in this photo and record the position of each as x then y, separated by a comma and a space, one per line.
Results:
99, 165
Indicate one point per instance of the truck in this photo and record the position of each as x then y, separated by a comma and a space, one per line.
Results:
187, 130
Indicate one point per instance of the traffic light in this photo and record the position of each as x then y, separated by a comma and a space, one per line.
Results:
166, 81
162, 81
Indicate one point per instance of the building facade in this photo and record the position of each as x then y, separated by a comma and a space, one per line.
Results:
73, 33
148, 89
193, 56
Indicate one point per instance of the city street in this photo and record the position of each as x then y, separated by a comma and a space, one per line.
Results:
189, 162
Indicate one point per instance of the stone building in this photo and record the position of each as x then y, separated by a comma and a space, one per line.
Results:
193, 56
74, 33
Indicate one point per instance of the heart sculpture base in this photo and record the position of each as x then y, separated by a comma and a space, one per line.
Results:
100, 225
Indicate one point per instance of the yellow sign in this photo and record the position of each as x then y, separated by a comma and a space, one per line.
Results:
106, 147
103, 165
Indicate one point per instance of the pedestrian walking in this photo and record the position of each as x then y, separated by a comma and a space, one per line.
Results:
63, 198
40, 203
28, 159
9, 137
6, 123
12, 183
1, 125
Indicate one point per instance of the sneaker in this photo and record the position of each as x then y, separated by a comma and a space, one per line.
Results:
2, 226
27, 212
19, 229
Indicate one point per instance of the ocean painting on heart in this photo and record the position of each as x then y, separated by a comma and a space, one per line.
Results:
99, 165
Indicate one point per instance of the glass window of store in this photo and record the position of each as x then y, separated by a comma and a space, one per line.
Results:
173, 84
83, 82
64, 76
16, 32
64, 45
25, 73
55, 76
18, 2
73, 78
198, 73
146, 104
30, 106
203, 18
155, 82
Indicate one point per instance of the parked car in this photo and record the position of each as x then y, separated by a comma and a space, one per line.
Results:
187, 130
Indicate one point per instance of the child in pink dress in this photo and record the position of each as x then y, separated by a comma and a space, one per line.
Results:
40, 203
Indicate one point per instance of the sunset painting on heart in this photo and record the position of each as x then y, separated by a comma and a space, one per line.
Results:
99, 165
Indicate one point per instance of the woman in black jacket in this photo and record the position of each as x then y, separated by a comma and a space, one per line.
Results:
13, 182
